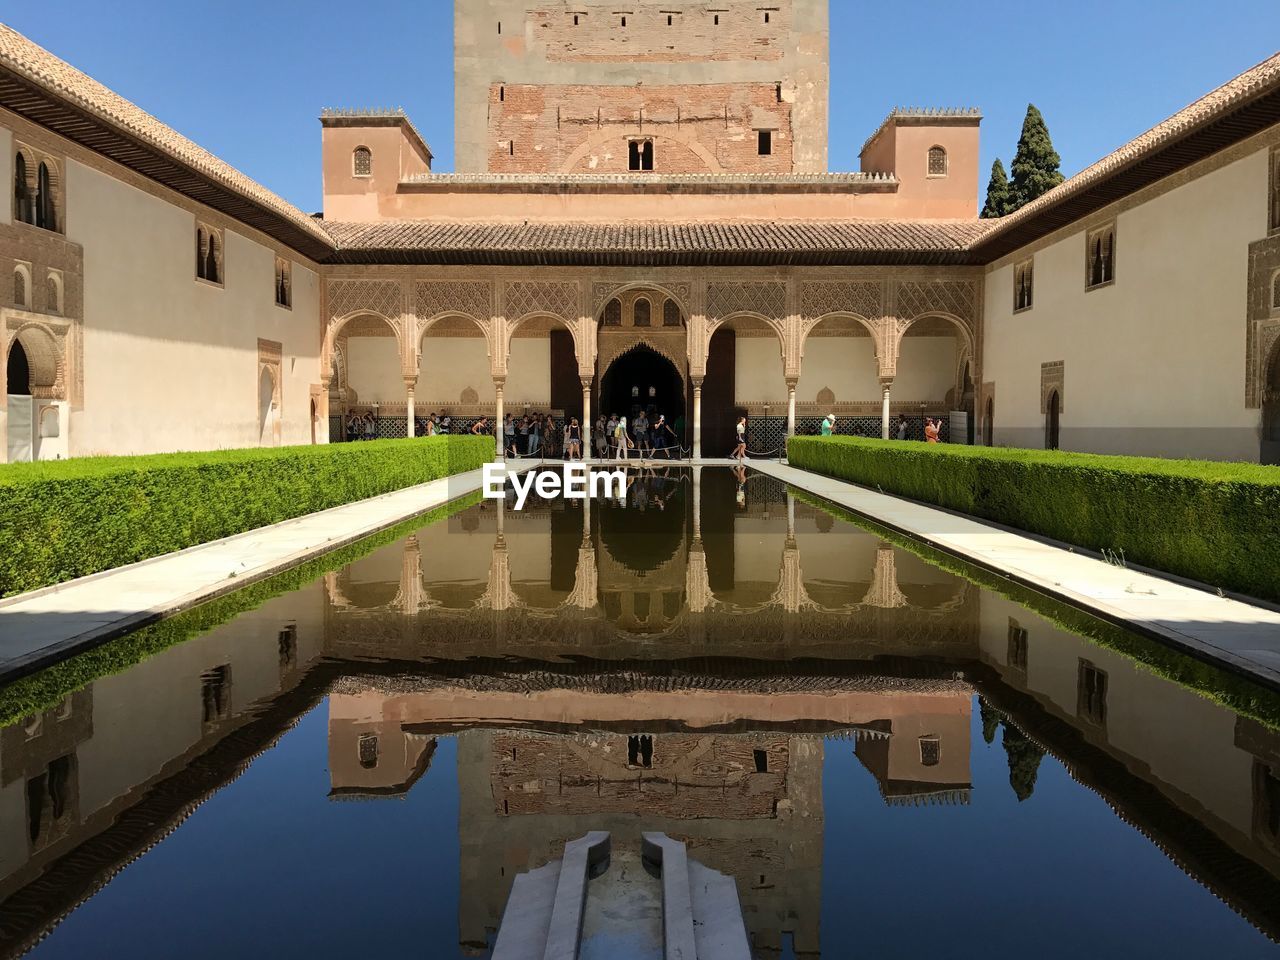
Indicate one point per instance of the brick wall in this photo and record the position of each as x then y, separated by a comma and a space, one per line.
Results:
583, 128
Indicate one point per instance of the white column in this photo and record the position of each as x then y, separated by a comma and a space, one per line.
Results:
409, 384
791, 408
499, 411
697, 503
586, 419
884, 410
697, 419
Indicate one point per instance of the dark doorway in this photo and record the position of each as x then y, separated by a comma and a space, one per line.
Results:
566, 387
989, 424
719, 391
1052, 422
642, 379
18, 376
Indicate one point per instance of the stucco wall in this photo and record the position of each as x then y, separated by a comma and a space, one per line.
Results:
170, 362
6, 175
448, 366
1154, 363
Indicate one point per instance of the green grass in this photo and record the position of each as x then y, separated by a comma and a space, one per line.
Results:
1218, 523
1228, 689
46, 688
70, 518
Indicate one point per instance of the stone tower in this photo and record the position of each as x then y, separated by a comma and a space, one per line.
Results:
579, 86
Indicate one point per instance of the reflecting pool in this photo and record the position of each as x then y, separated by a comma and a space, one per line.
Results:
357, 758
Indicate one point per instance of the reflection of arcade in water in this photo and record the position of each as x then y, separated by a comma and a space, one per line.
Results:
691, 564
556, 645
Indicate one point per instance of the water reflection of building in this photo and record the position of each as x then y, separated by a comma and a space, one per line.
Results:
774, 580
738, 778
111, 771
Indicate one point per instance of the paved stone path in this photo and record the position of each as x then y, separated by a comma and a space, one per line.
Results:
1237, 634
44, 626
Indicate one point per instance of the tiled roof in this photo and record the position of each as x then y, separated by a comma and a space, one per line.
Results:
644, 244
1232, 112
43, 79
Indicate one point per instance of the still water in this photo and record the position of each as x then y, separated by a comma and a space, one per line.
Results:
890, 760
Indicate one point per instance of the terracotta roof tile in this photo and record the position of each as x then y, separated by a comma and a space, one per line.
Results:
643, 243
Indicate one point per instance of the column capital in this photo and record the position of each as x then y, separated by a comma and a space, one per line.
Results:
886, 383
792, 382
410, 383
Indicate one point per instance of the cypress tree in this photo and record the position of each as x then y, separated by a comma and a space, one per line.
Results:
990, 718
998, 198
1035, 167
1024, 761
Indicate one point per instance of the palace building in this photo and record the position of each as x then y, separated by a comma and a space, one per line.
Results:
643, 217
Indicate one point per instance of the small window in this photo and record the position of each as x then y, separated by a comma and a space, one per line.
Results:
641, 313
362, 162
511, 148
777, 91
717, 19
20, 288
937, 162
640, 156
53, 292
764, 142
1101, 257
761, 758
1017, 646
766, 16
1023, 286
1091, 694
46, 205
670, 20
640, 751
287, 646
502, 94
575, 19
613, 313
367, 750
624, 21
671, 314
23, 209
215, 693
284, 283
208, 254
930, 751
1275, 292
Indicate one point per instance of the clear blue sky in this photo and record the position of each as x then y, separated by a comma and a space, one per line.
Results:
247, 80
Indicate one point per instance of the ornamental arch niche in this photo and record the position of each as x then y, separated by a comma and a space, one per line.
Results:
932, 354
455, 366
368, 349
839, 355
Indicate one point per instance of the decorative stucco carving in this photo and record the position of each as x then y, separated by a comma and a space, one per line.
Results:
864, 298
558, 298
349, 297
471, 298
1262, 325
1052, 377
766, 298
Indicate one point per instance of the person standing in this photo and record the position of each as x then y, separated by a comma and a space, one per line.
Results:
620, 440
446, 424
573, 440
931, 430
740, 450
902, 426
480, 427
509, 435
601, 437
828, 425
641, 431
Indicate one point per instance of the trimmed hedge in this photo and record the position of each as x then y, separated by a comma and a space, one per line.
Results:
69, 518
1218, 523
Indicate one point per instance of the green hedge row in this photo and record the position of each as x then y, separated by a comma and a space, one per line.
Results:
70, 518
1218, 523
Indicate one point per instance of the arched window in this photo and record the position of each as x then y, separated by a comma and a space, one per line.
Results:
1275, 191
213, 267
20, 288
671, 314
284, 283
640, 156
53, 294
1052, 424
937, 162
1023, 286
1101, 256
208, 254
18, 372
1275, 292
23, 209
613, 313
641, 313
362, 162
46, 208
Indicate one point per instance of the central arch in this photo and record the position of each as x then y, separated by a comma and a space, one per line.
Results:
642, 379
